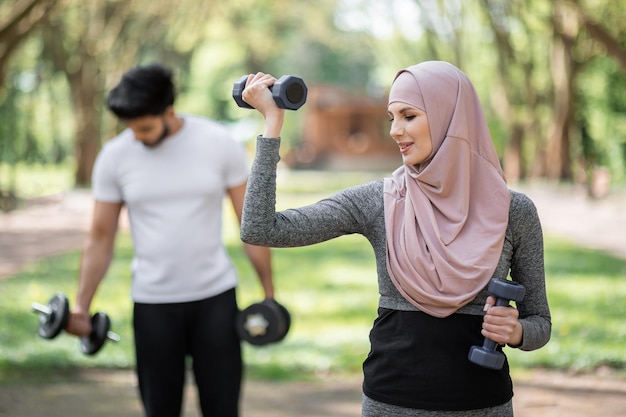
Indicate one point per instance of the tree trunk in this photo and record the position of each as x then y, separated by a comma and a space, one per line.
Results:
513, 159
503, 98
558, 159
85, 87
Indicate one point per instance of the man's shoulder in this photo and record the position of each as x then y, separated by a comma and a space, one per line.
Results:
209, 131
202, 122
119, 142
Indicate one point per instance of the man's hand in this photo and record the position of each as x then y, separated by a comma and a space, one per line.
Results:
79, 323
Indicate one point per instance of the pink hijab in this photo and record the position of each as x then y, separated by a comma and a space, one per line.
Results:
446, 218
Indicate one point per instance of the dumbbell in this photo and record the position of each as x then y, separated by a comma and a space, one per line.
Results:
487, 355
289, 92
263, 323
53, 318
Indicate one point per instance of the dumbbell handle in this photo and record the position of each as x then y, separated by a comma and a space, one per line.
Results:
113, 337
42, 309
501, 302
488, 343
47, 311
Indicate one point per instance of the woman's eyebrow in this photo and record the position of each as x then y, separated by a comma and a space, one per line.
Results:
403, 110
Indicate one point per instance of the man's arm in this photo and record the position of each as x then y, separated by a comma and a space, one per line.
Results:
259, 256
95, 260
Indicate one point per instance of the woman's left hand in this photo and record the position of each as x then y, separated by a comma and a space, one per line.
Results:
501, 324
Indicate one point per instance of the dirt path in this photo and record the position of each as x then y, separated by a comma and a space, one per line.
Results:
57, 224
48, 226
99, 393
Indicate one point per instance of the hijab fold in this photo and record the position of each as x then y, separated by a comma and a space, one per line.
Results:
446, 218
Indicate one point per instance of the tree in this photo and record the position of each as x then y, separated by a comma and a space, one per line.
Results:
92, 42
579, 40
517, 97
17, 21
563, 69
529, 59
601, 114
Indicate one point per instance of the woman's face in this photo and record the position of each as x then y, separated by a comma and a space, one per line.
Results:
410, 130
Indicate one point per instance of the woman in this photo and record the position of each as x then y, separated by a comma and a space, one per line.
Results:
442, 226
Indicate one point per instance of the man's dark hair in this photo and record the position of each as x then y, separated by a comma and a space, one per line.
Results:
143, 91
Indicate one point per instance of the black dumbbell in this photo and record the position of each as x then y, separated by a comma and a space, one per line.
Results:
262, 323
289, 92
487, 355
53, 318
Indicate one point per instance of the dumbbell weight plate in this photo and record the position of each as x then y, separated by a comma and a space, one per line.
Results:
506, 290
287, 320
100, 324
238, 88
486, 358
51, 325
289, 92
263, 323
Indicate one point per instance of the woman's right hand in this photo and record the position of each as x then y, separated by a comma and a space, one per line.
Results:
257, 94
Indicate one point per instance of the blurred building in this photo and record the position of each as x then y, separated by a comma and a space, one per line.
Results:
344, 131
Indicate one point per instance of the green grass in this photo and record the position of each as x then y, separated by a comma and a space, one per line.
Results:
332, 304
331, 291
20, 347
587, 295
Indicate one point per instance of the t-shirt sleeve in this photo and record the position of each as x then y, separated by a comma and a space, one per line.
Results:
104, 184
236, 168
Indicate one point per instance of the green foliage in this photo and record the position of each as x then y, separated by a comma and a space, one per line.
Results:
35, 180
35, 114
601, 116
355, 44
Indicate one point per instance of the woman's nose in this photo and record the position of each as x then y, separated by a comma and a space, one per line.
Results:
396, 131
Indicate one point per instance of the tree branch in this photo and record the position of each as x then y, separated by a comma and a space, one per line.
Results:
600, 34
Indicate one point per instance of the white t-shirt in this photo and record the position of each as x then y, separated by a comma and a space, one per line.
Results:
174, 195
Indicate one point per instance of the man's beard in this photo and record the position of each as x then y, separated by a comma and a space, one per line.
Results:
164, 134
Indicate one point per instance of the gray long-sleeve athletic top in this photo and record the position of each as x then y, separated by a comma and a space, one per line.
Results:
360, 209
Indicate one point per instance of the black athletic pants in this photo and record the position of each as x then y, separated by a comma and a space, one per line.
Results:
165, 334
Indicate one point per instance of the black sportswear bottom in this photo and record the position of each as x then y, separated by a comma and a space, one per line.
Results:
420, 362
167, 334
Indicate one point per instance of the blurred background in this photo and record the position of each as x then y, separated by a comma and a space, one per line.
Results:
550, 74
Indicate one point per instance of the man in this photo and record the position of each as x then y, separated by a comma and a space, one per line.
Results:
172, 173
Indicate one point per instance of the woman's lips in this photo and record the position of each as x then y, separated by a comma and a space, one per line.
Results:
405, 146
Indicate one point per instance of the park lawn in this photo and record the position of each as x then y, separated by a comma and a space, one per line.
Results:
587, 295
332, 304
330, 290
